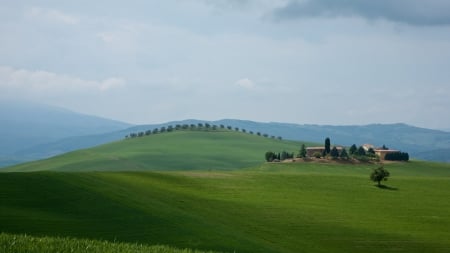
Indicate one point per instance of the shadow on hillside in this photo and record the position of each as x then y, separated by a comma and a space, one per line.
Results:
385, 187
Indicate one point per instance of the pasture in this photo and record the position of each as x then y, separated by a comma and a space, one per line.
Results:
289, 207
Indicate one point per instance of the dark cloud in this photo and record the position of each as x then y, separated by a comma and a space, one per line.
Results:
413, 12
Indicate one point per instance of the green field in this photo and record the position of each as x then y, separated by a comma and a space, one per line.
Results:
274, 208
31, 244
284, 207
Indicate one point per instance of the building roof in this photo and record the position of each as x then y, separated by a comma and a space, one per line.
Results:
368, 146
387, 150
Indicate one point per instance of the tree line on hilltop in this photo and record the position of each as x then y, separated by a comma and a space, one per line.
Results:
196, 127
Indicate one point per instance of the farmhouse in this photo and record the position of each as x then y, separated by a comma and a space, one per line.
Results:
380, 152
367, 147
383, 152
311, 150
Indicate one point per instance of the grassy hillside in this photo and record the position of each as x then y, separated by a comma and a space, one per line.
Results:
424, 144
23, 243
302, 207
179, 150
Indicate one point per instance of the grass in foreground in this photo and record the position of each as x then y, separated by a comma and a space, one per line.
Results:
24, 243
271, 208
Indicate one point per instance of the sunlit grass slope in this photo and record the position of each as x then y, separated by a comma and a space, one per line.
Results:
179, 150
302, 207
24, 243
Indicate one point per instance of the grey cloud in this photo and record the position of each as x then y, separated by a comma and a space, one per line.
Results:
412, 12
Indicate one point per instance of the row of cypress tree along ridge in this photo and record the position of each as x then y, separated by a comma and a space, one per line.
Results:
196, 127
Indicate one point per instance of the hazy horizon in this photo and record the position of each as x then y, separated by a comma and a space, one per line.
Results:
39, 106
291, 61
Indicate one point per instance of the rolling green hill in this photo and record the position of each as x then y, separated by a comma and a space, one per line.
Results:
19, 146
286, 207
212, 191
178, 150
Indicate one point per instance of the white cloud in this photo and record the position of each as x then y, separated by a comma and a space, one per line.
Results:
52, 15
106, 37
47, 83
111, 83
125, 37
246, 83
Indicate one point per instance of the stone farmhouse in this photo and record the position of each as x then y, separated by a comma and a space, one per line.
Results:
380, 152
310, 151
383, 152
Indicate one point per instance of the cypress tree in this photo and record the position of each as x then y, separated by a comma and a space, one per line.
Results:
302, 152
344, 154
353, 149
334, 152
327, 146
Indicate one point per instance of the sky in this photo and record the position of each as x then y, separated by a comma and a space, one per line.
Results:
349, 62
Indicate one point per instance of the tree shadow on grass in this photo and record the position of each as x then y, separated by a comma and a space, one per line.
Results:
385, 187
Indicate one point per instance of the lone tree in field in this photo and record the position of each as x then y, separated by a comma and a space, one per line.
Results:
379, 174
327, 146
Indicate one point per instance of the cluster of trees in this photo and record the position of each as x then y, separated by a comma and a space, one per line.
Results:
199, 126
354, 152
328, 151
398, 156
334, 152
271, 156
362, 154
360, 151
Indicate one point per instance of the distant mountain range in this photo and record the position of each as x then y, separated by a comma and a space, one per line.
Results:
30, 132
25, 126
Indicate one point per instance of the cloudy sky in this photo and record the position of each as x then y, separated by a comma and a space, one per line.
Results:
297, 61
